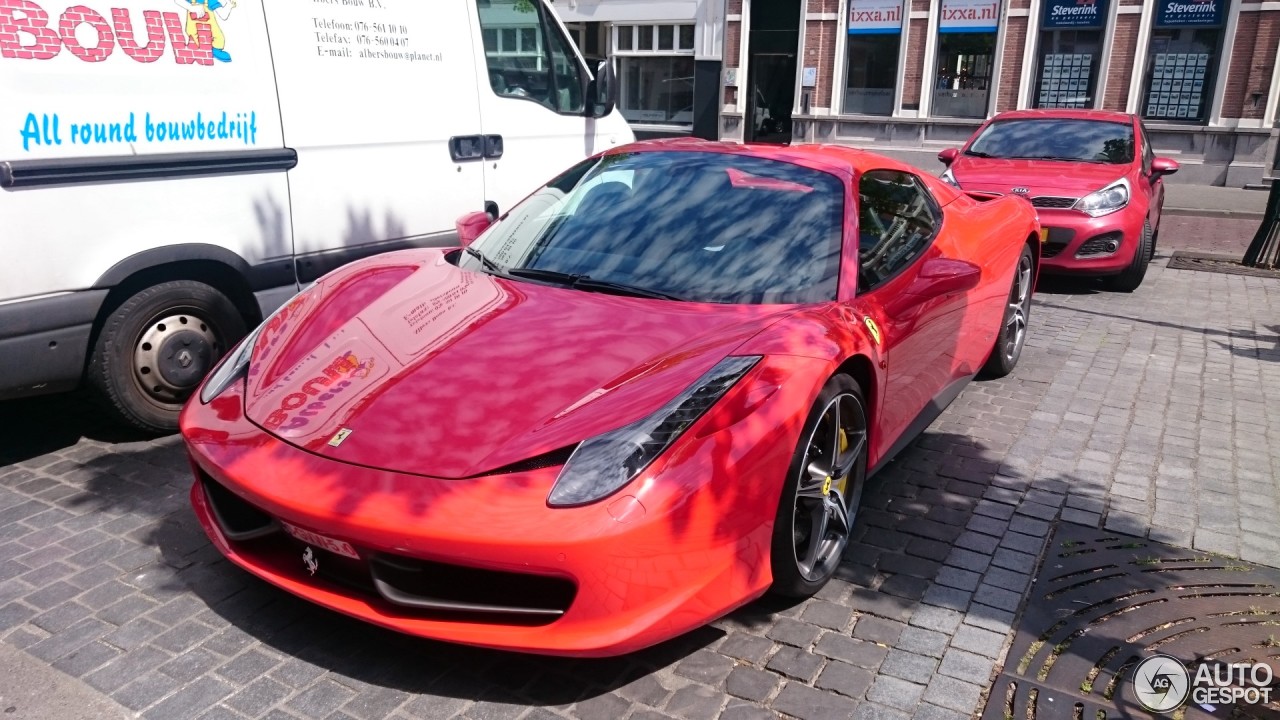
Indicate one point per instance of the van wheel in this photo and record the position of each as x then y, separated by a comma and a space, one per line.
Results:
156, 348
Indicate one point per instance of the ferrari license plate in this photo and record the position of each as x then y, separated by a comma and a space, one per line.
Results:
324, 543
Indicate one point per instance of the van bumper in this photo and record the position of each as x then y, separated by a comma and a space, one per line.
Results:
44, 342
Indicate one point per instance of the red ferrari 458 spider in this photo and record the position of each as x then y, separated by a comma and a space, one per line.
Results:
646, 395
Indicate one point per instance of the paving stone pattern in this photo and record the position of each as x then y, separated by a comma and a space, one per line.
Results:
1155, 413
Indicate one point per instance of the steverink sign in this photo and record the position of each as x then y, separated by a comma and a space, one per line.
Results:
1181, 13
1075, 14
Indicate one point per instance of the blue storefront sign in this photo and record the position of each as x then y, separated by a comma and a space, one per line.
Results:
1074, 14
1184, 13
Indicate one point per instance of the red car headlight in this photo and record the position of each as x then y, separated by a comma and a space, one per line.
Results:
1105, 201
603, 464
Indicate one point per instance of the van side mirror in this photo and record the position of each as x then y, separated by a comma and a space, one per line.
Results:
948, 156
471, 225
1163, 166
602, 92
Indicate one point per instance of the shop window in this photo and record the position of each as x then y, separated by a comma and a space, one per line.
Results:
655, 65
963, 83
871, 61
966, 57
1180, 73
517, 37
1070, 45
1186, 42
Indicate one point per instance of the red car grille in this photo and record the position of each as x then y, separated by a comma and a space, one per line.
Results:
1051, 201
398, 584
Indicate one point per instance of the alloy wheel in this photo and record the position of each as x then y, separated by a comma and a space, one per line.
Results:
829, 486
1018, 310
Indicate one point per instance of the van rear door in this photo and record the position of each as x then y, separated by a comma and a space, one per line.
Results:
371, 95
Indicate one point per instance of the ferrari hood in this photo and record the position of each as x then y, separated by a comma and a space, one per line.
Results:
1039, 177
408, 363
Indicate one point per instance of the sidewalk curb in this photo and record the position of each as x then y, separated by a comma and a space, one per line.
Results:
1214, 213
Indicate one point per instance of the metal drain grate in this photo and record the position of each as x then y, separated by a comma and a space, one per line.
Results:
1209, 262
1104, 601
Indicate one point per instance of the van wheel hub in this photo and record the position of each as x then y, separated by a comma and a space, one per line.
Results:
173, 354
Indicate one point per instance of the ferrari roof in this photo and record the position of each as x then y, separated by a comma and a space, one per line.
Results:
837, 158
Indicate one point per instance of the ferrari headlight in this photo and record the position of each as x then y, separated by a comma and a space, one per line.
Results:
605, 463
949, 178
1105, 201
232, 368
236, 364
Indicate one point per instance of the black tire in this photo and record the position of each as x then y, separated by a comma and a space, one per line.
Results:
1014, 322
791, 577
1155, 239
1131, 277
181, 328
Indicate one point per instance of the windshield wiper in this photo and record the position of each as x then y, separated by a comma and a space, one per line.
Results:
585, 282
484, 261
978, 153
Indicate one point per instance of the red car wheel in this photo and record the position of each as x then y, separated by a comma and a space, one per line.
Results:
820, 500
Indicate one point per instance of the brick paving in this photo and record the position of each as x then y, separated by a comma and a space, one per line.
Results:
1155, 413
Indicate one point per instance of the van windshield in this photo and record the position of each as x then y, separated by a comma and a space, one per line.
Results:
699, 226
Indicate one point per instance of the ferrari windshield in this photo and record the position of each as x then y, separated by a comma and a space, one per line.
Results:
698, 226
1056, 139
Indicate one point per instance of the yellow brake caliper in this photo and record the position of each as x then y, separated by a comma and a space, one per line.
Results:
844, 447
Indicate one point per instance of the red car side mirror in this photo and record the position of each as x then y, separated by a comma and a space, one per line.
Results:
471, 225
942, 276
948, 156
1163, 166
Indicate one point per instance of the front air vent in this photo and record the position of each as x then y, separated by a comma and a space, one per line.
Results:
537, 462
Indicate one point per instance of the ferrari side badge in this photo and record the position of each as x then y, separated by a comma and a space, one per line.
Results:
339, 436
871, 327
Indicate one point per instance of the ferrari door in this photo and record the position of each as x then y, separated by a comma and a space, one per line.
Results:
911, 286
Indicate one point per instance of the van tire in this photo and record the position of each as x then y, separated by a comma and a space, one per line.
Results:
182, 328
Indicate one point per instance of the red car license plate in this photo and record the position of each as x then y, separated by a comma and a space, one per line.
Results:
334, 546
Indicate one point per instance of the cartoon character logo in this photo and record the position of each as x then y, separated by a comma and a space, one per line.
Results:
207, 13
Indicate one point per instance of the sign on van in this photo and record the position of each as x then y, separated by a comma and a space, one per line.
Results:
29, 31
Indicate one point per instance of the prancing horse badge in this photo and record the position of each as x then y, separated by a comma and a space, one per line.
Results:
339, 436
310, 560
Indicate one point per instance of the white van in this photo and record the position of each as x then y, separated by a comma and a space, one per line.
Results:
173, 170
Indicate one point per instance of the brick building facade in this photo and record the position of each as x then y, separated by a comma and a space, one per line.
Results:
910, 77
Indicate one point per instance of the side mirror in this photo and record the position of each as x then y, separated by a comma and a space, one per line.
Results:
942, 276
471, 225
602, 92
948, 156
1163, 166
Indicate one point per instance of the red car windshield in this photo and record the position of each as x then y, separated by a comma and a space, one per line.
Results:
698, 226
1072, 140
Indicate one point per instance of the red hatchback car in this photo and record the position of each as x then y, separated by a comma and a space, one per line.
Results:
1092, 177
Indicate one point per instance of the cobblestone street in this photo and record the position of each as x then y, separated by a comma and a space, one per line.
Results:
1155, 414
